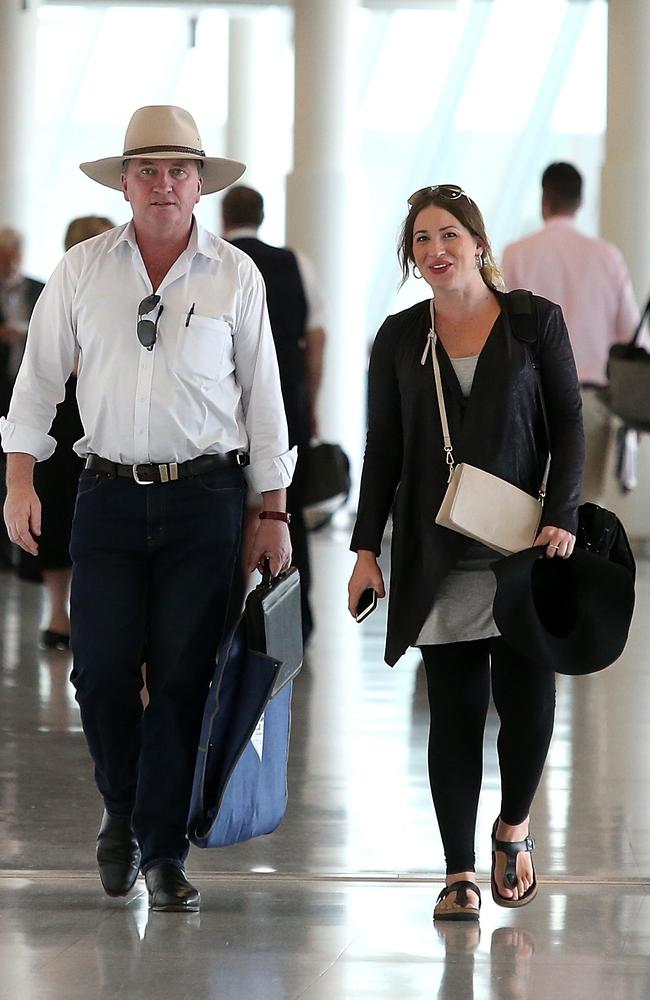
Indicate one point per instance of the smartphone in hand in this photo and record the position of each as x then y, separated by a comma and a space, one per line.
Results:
367, 604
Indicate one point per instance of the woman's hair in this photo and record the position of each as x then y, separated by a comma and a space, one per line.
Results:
84, 228
466, 212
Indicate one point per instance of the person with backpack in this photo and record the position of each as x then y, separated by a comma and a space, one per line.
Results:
442, 587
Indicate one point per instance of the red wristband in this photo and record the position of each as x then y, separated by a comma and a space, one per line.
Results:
275, 515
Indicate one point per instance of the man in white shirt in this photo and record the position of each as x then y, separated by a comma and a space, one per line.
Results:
178, 391
589, 279
297, 314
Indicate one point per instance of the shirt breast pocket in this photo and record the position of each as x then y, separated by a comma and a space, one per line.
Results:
205, 347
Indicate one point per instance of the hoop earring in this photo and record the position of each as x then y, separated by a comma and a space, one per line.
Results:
416, 268
479, 260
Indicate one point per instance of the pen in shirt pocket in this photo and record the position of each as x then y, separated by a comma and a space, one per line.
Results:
189, 315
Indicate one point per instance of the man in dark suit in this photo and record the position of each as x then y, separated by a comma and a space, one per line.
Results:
297, 321
18, 296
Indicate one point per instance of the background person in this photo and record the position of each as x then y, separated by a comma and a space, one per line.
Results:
442, 588
178, 390
296, 311
56, 481
589, 279
18, 295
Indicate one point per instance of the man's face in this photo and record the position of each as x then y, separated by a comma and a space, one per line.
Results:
162, 193
10, 262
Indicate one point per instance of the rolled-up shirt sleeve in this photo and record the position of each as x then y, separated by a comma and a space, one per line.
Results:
271, 460
48, 362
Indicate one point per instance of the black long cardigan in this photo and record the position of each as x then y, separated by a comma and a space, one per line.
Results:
500, 428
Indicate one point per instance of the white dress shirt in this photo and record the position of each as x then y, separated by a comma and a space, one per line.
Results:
588, 278
210, 384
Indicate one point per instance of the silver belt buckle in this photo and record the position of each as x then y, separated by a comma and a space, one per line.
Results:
140, 482
168, 472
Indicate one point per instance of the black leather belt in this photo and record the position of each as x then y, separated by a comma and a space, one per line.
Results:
166, 472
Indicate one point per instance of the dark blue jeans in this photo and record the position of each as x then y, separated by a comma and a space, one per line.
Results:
156, 577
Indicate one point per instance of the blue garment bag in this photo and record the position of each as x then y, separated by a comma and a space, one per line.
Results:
240, 779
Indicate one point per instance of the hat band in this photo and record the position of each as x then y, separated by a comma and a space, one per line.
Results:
141, 150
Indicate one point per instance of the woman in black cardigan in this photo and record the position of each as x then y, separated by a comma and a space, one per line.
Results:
442, 587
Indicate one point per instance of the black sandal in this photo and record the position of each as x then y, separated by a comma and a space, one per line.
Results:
511, 850
460, 908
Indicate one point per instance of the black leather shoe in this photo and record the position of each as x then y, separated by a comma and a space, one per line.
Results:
54, 640
169, 890
118, 854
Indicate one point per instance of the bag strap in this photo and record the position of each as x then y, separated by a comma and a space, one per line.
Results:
524, 302
523, 313
432, 339
637, 332
521, 309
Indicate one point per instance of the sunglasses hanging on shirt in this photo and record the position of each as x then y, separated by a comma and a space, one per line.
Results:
147, 329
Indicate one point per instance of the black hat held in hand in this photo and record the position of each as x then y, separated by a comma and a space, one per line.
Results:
570, 615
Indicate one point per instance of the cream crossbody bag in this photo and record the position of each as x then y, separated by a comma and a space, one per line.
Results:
478, 504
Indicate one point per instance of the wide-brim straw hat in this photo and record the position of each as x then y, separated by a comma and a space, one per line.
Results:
164, 132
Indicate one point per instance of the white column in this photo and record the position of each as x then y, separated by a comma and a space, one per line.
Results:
324, 216
18, 27
625, 201
625, 196
240, 132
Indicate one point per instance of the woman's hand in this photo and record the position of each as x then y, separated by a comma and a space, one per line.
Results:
366, 573
558, 542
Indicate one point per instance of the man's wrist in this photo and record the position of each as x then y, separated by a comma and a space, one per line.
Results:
275, 515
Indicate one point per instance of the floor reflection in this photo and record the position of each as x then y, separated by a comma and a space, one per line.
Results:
460, 943
337, 904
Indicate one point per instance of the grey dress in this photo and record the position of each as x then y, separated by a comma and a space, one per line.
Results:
463, 607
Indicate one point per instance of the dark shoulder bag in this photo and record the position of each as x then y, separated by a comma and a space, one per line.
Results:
628, 371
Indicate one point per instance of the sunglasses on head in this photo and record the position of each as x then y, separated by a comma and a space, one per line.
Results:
449, 191
146, 329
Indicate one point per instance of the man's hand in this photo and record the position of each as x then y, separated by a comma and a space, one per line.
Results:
271, 542
22, 513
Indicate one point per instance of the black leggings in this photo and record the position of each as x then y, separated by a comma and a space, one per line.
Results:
458, 682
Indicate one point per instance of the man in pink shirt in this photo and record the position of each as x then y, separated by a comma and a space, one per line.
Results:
588, 278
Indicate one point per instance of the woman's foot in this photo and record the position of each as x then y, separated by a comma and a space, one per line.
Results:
513, 873
460, 899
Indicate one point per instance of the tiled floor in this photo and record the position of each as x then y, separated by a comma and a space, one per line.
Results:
337, 903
